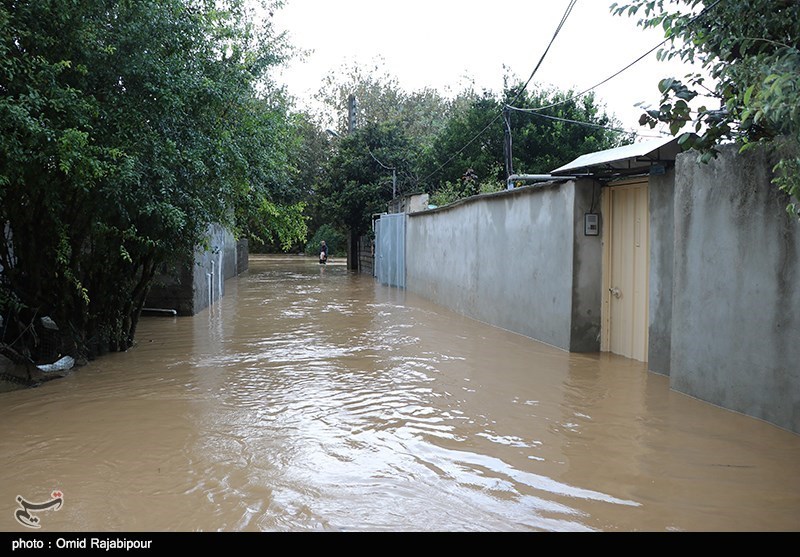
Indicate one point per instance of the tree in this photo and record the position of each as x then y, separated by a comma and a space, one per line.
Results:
751, 51
558, 127
272, 204
359, 182
393, 129
309, 149
126, 128
471, 142
380, 100
333, 237
548, 129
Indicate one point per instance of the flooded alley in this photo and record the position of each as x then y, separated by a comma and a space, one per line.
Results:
313, 398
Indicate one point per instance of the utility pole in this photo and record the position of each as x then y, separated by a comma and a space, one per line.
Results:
507, 143
352, 111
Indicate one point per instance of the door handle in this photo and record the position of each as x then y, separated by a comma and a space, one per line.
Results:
615, 292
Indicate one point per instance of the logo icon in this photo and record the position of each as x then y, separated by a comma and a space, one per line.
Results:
24, 516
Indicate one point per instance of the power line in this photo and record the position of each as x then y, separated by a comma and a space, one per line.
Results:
534, 110
546, 50
609, 78
379, 162
567, 120
493, 120
639, 59
392, 168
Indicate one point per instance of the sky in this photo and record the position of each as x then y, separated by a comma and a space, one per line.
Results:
444, 44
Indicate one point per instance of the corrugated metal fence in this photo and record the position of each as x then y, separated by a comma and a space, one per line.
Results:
390, 249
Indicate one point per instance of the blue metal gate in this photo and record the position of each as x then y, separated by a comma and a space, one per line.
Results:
390, 249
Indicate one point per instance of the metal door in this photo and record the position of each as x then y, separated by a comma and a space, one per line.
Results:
626, 262
390, 249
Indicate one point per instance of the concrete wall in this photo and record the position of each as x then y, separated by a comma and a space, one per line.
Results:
172, 289
662, 243
736, 305
409, 203
213, 267
242, 255
724, 307
587, 272
194, 286
516, 259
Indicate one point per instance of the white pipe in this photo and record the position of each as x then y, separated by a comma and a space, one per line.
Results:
214, 280
161, 310
533, 178
219, 276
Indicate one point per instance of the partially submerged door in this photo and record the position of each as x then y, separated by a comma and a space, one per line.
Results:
626, 265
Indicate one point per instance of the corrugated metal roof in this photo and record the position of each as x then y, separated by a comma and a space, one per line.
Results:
628, 157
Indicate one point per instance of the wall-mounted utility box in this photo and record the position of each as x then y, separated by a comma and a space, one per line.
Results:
591, 224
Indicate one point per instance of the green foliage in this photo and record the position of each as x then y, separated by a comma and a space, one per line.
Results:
334, 238
308, 162
449, 148
126, 128
787, 171
380, 100
751, 52
353, 179
472, 140
284, 225
455, 151
359, 177
446, 194
491, 187
468, 185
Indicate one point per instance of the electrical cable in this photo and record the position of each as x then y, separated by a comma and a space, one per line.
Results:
579, 122
546, 50
612, 76
379, 162
534, 110
493, 120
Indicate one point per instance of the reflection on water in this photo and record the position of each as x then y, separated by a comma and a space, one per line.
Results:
312, 398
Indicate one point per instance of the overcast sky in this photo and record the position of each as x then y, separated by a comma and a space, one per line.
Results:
436, 43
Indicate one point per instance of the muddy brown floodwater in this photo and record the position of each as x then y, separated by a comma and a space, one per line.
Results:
313, 398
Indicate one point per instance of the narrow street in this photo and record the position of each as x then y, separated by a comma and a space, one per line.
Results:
312, 398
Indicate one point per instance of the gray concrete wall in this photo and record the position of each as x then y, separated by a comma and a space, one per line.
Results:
409, 203
662, 229
587, 265
193, 286
513, 259
242, 255
736, 304
213, 266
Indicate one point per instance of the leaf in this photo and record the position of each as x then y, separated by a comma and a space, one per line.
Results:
665, 84
748, 93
